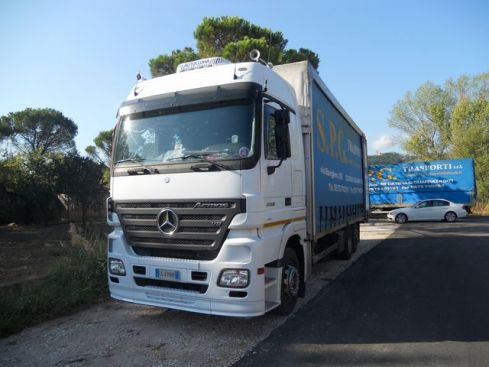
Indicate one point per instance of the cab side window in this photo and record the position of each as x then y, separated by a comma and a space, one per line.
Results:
270, 138
270, 131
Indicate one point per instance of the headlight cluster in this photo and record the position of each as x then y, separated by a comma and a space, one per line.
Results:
116, 266
234, 278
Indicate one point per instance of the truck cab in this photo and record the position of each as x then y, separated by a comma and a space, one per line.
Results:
208, 192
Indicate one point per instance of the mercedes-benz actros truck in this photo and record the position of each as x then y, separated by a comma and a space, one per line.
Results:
228, 182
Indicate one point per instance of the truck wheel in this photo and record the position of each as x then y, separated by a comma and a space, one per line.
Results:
291, 278
401, 218
450, 217
347, 245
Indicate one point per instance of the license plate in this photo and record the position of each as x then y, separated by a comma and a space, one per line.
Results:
167, 274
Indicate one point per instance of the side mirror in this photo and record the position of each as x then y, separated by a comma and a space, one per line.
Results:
282, 117
282, 137
283, 141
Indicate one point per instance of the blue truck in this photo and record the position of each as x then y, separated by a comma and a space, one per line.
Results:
403, 184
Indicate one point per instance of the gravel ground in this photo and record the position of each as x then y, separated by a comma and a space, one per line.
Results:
122, 334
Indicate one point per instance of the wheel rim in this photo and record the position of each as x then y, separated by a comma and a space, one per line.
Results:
450, 217
291, 280
401, 218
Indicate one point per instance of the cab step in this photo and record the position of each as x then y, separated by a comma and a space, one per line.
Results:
269, 282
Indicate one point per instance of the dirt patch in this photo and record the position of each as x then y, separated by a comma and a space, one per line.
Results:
30, 252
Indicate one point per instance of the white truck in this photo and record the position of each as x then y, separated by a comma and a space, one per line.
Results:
228, 182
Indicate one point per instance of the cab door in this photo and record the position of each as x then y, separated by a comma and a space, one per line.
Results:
277, 186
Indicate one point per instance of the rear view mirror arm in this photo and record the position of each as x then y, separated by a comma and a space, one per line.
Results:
271, 169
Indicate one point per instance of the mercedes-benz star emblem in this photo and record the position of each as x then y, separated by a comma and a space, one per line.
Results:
167, 222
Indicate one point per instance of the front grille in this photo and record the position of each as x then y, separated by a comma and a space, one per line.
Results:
142, 228
199, 229
202, 217
161, 204
202, 225
189, 287
138, 216
168, 241
194, 254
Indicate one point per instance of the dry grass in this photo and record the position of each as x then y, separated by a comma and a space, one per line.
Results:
77, 280
481, 209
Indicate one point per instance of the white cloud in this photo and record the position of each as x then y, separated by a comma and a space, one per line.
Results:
382, 143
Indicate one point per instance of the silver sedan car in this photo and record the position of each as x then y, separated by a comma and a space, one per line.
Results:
434, 209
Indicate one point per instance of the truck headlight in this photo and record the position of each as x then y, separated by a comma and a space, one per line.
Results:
234, 278
116, 266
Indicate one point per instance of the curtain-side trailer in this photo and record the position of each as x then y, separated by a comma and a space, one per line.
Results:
404, 184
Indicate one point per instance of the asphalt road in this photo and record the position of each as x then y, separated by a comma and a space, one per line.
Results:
420, 298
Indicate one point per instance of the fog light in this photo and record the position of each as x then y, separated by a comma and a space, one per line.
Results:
116, 266
234, 278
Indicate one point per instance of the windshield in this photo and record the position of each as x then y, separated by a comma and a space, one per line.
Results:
220, 132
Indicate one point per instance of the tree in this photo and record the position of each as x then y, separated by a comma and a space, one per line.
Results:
449, 121
28, 188
167, 64
388, 158
14, 191
240, 50
233, 38
81, 179
39, 130
424, 117
470, 124
101, 151
292, 55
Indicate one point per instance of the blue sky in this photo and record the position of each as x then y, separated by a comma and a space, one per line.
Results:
81, 57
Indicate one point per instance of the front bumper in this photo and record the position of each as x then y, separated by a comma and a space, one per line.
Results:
240, 251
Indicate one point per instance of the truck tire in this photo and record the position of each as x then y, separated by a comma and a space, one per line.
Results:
450, 217
291, 278
347, 251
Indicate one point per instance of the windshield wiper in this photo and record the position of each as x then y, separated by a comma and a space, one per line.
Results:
206, 163
137, 171
132, 159
193, 154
